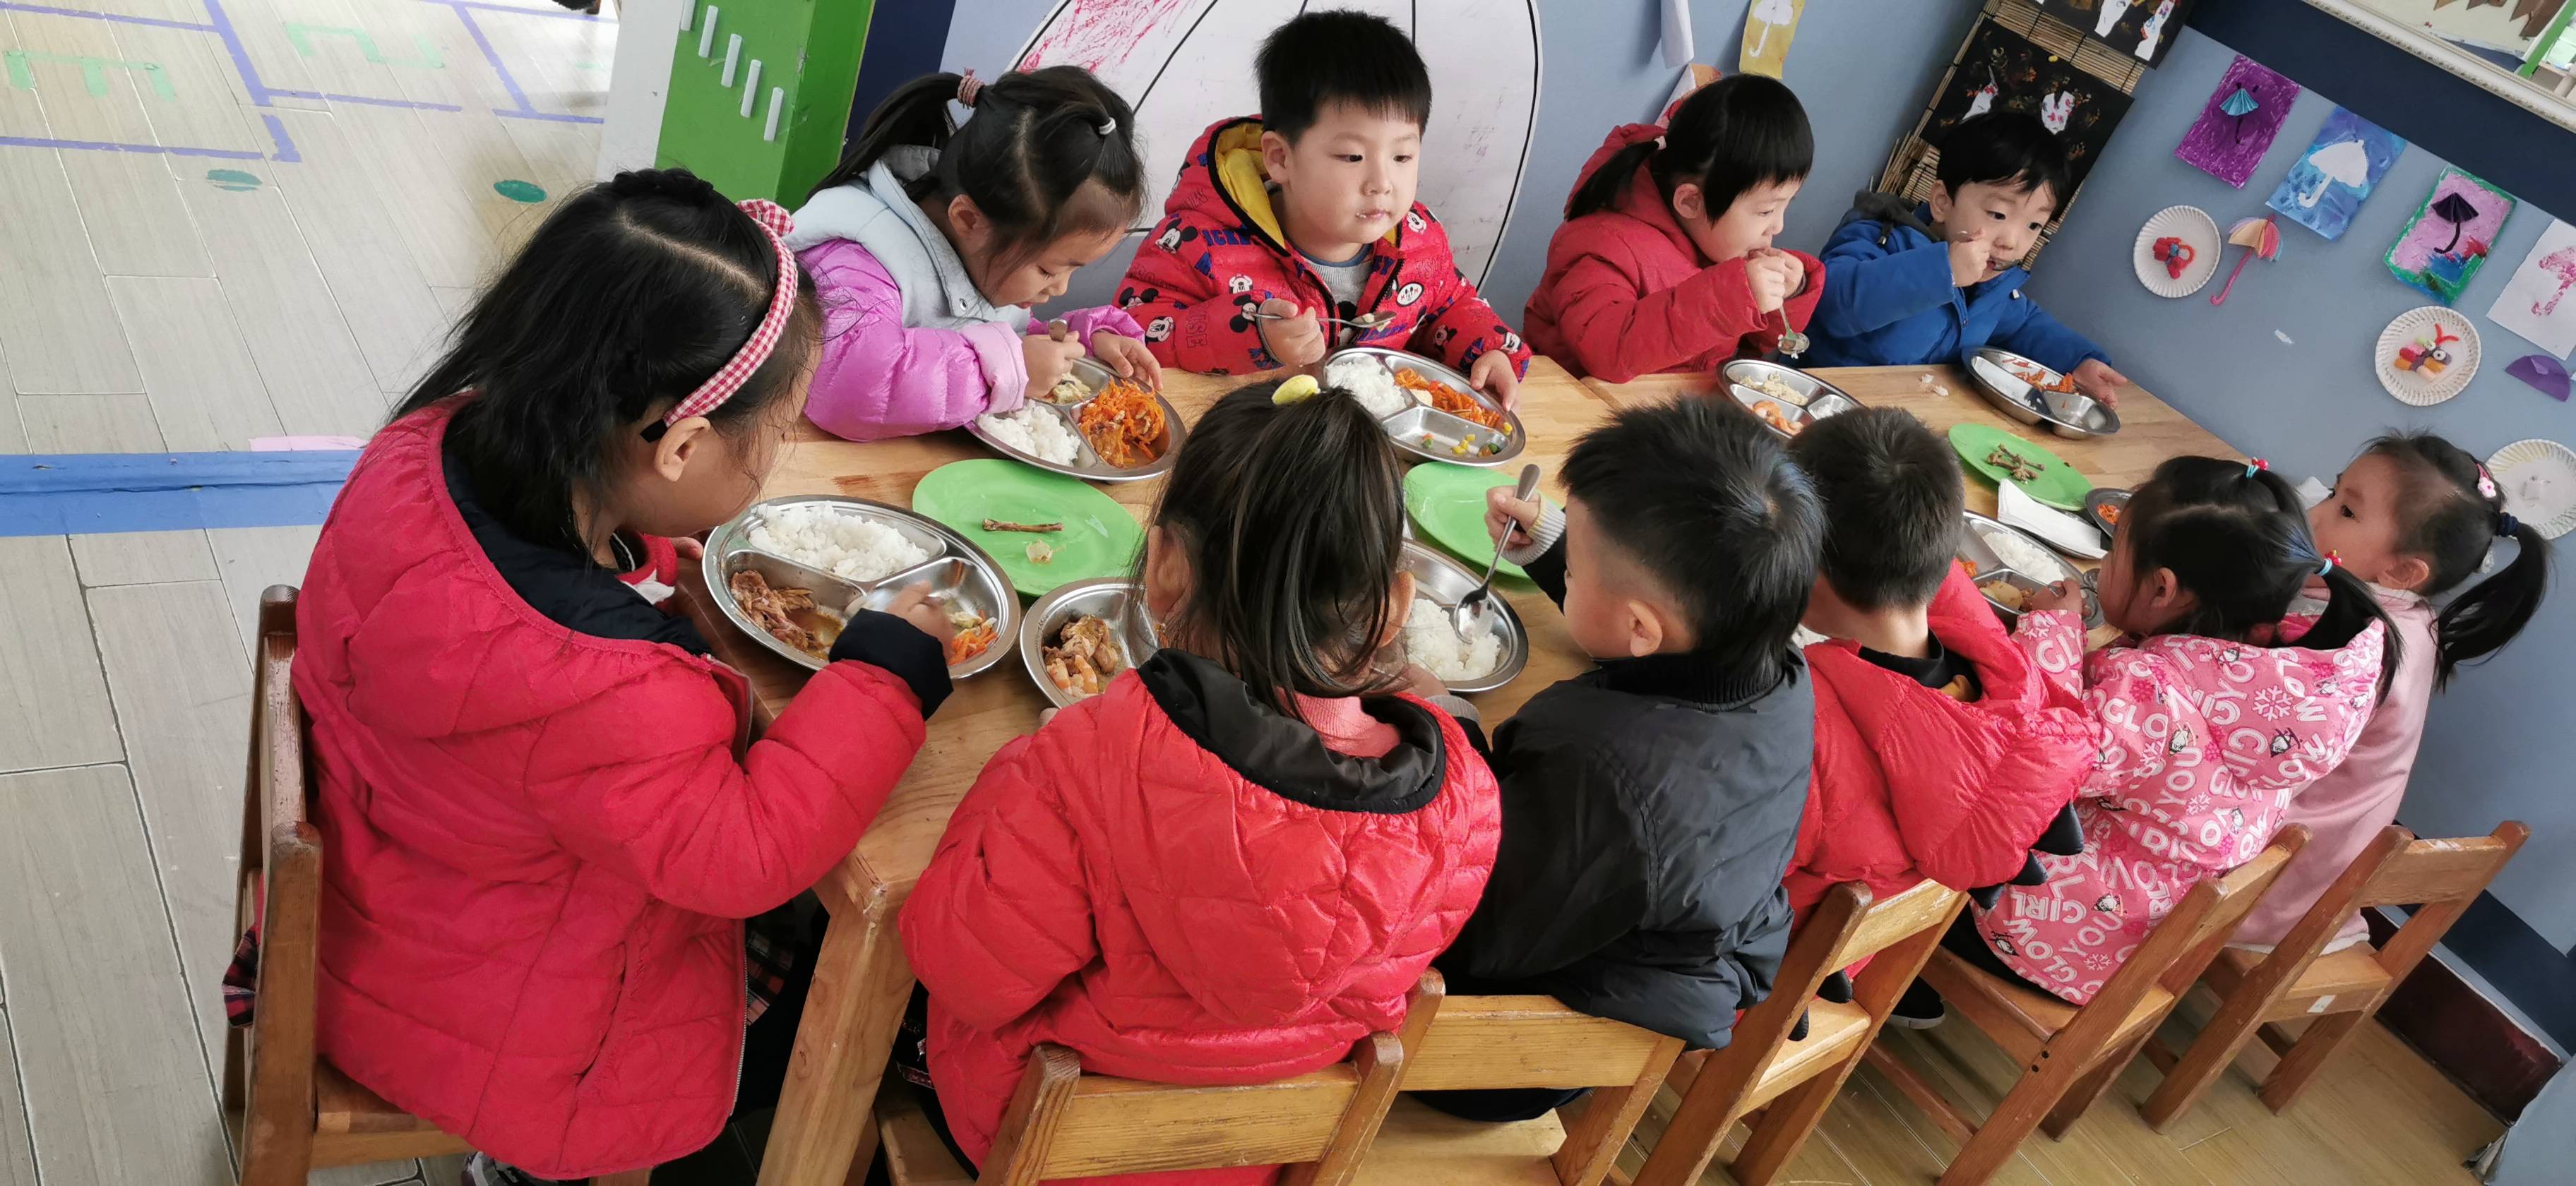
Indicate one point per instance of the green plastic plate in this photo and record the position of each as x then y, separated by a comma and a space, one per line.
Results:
2058, 484
1100, 538
1447, 503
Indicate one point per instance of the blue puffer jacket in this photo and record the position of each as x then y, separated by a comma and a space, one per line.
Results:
1889, 301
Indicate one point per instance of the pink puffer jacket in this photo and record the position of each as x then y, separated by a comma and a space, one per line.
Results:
2203, 743
881, 378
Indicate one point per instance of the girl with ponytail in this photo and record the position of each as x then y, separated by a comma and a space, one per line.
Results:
2213, 712
931, 239
2417, 518
1665, 261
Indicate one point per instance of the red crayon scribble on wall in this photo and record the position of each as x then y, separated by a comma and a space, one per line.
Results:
1097, 34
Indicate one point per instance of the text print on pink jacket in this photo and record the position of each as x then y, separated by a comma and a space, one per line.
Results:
910, 345
2203, 744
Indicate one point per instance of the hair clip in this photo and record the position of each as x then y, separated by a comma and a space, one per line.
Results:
1295, 389
968, 87
2256, 466
2506, 524
2486, 483
2329, 565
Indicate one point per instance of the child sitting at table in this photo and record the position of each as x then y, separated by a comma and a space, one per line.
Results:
543, 823
930, 241
1940, 752
2208, 718
1665, 262
1289, 228
1237, 859
1650, 805
2415, 516
1930, 283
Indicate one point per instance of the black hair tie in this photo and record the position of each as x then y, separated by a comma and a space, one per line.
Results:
2506, 524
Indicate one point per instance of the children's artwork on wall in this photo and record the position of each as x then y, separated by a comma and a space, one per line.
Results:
2336, 173
2000, 70
2427, 355
2539, 303
2239, 121
2447, 241
1186, 63
2145, 29
1768, 27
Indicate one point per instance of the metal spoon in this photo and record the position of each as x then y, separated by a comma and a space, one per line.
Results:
1792, 343
1468, 616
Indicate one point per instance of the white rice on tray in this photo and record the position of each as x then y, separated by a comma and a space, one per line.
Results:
1371, 381
1036, 431
2025, 557
1429, 641
851, 547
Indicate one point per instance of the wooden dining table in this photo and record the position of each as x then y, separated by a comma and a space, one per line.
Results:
862, 981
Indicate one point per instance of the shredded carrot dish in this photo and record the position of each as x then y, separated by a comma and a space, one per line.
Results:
1123, 423
971, 641
1451, 400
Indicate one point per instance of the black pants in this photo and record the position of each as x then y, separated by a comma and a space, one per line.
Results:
1964, 940
1501, 1105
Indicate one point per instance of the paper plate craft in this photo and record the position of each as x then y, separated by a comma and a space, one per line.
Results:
2177, 251
2258, 236
2538, 481
2238, 122
2336, 173
2447, 241
2536, 303
2546, 375
2427, 355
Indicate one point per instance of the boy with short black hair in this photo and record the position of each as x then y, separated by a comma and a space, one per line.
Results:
1940, 751
1913, 284
1650, 804
1287, 228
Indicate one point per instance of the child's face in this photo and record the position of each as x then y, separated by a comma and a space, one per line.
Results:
1348, 179
696, 476
2009, 217
1612, 608
2358, 524
1747, 223
1041, 275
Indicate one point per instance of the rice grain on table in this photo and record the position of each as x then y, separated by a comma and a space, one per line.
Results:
1036, 431
1430, 641
851, 547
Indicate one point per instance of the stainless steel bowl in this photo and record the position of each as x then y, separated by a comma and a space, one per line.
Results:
2065, 413
1991, 567
1111, 599
1809, 398
2104, 496
958, 573
1444, 581
1087, 464
1432, 434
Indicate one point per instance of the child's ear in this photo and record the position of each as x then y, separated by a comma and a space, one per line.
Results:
1167, 573
1690, 201
1940, 202
1399, 606
679, 445
1274, 155
2167, 600
2405, 572
966, 218
1647, 629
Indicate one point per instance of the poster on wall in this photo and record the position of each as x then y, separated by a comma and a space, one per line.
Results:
2000, 70
2447, 241
1185, 64
2145, 29
2536, 303
1768, 27
2239, 121
2336, 173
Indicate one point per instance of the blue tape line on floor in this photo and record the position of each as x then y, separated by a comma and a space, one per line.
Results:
86, 493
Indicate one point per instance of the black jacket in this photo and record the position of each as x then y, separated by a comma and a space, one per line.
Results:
1650, 807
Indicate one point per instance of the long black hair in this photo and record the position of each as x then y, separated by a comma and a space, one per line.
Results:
1047, 153
2236, 538
1292, 517
630, 295
1727, 137
2451, 512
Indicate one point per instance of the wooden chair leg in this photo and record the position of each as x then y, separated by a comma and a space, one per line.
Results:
2189, 1077
2009, 1125
2301, 1062
861, 981
640, 1177
274, 1157
1696, 1128
1944, 1114
1783, 1127
2079, 1098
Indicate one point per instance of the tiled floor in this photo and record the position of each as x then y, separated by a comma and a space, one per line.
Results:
304, 197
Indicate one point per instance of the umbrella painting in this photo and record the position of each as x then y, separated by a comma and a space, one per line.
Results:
2447, 241
2539, 302
2336, 173
2239, 121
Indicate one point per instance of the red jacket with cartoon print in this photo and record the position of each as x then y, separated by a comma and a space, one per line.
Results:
1220, 251
1627, 293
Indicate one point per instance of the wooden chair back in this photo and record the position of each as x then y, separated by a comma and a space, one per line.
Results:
1798, 1079
1493, 1042
2181, 946
2438, 877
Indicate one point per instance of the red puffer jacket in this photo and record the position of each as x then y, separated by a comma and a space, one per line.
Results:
1626, 292
540, 842
1220, 251
1183, 885
1910, 783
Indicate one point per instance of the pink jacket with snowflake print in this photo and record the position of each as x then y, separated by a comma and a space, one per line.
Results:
2203, 744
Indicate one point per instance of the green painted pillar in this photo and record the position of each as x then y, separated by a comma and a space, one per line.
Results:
760, 93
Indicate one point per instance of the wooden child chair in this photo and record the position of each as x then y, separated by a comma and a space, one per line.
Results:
2070, 1055
2336, 992
1064, 1124
1794, 1082
1484, 1043
294, 1111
